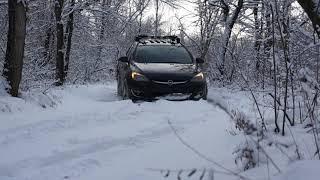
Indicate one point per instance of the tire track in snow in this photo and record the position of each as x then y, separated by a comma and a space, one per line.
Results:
87, 148
220, 105
105, 144
39, 129
64, 123
69, 122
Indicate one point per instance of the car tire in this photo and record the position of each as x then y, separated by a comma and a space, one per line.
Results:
119, 89
127, 92
205, 93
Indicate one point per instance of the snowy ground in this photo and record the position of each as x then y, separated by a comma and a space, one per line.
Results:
86, 132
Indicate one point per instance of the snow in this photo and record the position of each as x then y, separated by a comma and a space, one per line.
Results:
282, 150
3, 86
86, 132
91, 134
301, 170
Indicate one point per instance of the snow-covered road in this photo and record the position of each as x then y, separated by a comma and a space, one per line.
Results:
91, 135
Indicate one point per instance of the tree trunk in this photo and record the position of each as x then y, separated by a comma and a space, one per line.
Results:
140, 16
48, 42
257, 35
15, 45
156, 31
228, 29
69, 38
60, 76
104, 19
268, 44
277, 129
257, 44
312, 8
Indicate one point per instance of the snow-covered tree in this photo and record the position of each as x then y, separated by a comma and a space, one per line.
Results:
12, 69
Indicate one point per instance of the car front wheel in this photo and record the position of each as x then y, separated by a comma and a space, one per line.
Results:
126, 91
119, 88
200, 95
205, 93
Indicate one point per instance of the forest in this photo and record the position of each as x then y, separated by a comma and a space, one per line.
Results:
267, 49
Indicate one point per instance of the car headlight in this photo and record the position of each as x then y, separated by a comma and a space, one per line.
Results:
138, 77
198, 77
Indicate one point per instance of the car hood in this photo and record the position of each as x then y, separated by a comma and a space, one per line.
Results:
165, 72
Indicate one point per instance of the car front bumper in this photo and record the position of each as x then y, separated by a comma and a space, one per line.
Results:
154, 89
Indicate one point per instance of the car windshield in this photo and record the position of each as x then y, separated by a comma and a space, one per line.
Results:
162, 54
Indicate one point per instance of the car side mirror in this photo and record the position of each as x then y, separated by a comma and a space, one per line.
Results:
124, 59
199, 60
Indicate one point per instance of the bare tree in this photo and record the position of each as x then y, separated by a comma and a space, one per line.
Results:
15, 45
208, 20
69, 32
157, 4
229, 22
141, 7
60, 69
157, 21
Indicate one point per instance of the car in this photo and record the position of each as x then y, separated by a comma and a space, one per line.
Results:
160, 66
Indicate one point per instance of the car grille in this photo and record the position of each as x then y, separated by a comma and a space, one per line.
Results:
170, 86
170, 82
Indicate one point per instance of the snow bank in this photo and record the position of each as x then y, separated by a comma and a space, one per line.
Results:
39, 99
293, 154
34, 100
28, 102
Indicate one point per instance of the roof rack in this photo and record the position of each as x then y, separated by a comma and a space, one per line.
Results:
170, 39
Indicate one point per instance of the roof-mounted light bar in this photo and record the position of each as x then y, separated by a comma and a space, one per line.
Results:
173, 39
